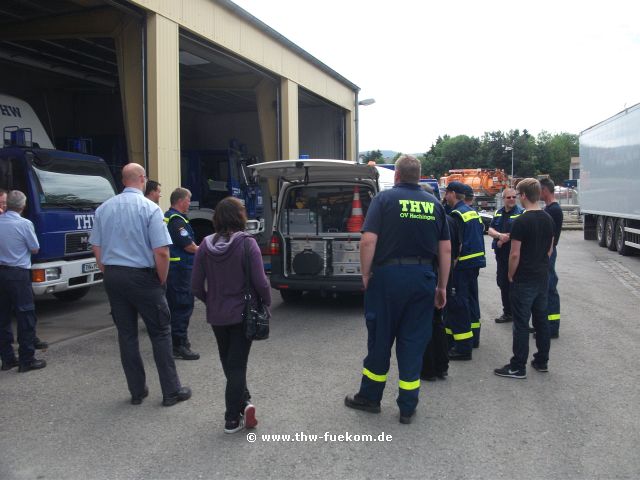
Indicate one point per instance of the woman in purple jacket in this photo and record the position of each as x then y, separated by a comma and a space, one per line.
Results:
219, 281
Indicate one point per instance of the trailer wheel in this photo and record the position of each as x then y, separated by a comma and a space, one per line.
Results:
609, 233
620, 245
72, 295
291, 295
600, 227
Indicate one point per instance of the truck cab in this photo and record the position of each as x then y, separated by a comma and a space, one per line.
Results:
317, 224
63, 190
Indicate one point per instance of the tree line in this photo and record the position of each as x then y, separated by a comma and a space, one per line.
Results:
543, 154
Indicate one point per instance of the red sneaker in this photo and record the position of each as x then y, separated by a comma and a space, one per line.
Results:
250, 420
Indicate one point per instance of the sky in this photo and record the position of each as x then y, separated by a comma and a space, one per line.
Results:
470, 66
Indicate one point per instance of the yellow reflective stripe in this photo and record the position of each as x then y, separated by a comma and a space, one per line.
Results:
174, 259
372, 376
555, 316
516, 216
409, 385
475, 325
448, 331
473, 255
497, 214
467, 216
462, 336
167, 220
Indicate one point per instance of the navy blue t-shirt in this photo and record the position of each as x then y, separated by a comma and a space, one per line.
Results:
555, 211
409, 222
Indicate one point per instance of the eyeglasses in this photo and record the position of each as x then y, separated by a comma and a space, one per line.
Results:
507, 198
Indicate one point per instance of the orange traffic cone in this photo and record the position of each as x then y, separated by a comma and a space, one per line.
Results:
354, 224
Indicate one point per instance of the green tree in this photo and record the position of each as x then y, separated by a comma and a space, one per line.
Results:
373, 155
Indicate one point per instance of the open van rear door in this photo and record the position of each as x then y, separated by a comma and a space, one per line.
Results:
315, 170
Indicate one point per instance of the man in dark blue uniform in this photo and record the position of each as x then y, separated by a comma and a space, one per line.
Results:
179, 295
547, 193
470, 259
404, 234
500, 230
474, 305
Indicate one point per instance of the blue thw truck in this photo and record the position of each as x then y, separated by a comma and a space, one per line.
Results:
63, 190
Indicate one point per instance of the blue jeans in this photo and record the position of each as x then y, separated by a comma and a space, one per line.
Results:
553, 306
529, 300
398, 307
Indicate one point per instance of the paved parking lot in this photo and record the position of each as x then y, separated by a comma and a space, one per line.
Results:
73, 419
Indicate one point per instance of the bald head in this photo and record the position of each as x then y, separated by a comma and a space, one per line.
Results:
133, 175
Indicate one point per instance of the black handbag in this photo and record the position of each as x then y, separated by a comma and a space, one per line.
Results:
255, 318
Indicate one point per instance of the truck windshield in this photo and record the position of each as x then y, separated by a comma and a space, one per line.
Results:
73, 182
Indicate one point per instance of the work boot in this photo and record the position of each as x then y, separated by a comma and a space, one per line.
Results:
39, 344
358, 403
34, 364
9, 364
181, 350
504, 318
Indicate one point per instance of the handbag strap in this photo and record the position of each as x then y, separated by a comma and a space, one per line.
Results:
247, 270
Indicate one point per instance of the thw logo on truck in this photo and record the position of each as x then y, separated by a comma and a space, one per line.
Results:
85, 222
10, 111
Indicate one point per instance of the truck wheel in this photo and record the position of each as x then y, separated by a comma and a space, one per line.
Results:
72, 295
291, 295
609, 233
201, 229
600, 227
620, 246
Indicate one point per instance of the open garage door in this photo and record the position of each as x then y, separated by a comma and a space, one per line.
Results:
228, 120
322, 127
65, 59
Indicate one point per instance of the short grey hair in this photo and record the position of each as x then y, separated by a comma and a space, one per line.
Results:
16, 200
408, 168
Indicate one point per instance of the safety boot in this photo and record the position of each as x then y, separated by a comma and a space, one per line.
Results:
182, 350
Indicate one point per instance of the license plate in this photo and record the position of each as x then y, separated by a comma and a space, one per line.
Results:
89, 267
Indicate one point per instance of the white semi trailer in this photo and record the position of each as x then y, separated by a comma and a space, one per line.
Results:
610, 181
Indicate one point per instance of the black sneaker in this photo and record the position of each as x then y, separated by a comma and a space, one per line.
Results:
504, 318
8, 365
233, 426
507, 371
358, 403
540, 367
457, 356
184, 352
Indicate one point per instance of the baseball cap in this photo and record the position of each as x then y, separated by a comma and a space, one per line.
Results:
457, 187
468, 191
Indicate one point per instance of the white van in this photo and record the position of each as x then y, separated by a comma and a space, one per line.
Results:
317, 222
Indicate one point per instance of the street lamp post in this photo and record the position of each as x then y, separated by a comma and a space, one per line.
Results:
364, 103
507, 149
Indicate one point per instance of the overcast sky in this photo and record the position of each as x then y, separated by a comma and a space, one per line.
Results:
470, 66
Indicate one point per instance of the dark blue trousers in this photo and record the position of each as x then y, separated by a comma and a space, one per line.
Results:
459, 309
553, 304
180, 300
474, 308
529, 300
16, 297
398, 308
502, 279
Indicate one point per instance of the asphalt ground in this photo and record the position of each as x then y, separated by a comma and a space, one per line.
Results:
73, 419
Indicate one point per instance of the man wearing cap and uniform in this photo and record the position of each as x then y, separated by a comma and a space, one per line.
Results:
475, 292
404, 235
182, 252
500, 231
470, 259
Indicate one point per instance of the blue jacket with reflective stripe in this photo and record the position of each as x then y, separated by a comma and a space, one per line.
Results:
178, 255
499, 223
472, 253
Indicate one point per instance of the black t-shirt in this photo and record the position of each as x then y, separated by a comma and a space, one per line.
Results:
534, 229
555, 211
409, 222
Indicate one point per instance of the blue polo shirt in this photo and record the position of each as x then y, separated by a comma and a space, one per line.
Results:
18, 239
409, 222
127, 228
